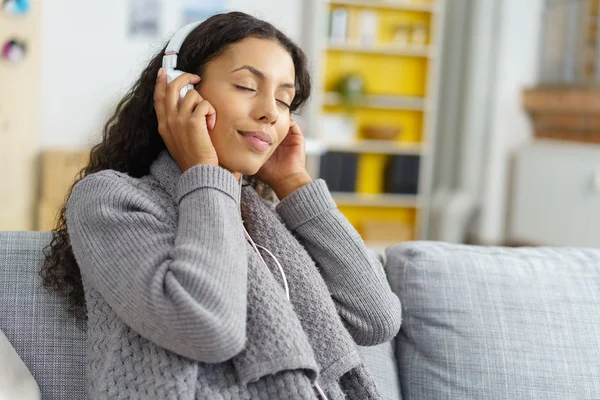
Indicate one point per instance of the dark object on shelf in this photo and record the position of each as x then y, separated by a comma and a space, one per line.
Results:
339, 171
402, 175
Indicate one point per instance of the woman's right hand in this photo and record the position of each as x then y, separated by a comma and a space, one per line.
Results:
184, 126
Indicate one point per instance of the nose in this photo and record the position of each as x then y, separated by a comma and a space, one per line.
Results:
266, 110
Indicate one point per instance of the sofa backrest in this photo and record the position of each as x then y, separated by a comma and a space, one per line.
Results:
497, 323
36, 322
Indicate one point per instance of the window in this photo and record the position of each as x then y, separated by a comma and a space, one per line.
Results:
570, 50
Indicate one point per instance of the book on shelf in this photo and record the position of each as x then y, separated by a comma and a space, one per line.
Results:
339, 171
402, 175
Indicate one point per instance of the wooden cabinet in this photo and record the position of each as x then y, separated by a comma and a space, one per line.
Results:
556, 195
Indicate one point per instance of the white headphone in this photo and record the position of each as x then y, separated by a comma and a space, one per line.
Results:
169, 61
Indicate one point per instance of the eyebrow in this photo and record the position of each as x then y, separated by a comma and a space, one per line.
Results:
262, 76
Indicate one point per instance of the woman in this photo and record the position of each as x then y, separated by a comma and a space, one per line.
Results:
183, 271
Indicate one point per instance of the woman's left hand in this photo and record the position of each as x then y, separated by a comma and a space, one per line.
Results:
285, 171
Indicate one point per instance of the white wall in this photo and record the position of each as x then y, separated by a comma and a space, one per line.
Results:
286, 15
509, 126
88, 60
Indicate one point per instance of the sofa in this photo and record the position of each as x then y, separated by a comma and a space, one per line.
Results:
478, 323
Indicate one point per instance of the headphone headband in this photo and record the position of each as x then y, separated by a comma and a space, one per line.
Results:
172, 50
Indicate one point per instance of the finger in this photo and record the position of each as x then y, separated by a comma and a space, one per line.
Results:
159, 94
205, 114
174, 89
295, 129
211, 120
159, 100
190, 101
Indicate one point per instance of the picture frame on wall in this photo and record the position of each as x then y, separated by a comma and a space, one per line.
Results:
144, 18
193, 10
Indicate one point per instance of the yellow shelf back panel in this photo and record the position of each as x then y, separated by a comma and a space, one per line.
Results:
389, 19
359, 216
383, 74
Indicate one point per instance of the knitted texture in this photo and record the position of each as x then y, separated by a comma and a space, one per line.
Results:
165, 268
335, 351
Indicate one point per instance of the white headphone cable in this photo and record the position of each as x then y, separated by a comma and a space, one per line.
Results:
285, 284
287, 289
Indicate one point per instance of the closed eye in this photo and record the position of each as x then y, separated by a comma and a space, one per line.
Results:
245, 88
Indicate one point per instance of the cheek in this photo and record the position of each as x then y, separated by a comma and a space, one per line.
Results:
220, 103
221, 134
224, 117
282, 129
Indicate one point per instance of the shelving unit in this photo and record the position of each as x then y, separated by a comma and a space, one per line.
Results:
401, 81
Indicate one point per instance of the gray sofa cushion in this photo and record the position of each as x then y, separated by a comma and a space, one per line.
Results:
35, 321
380, 361
497, 323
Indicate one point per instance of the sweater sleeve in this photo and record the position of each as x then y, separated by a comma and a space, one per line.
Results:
355, 277
181, 285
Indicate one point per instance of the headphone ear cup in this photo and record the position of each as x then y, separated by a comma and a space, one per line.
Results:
184, 90
173, 74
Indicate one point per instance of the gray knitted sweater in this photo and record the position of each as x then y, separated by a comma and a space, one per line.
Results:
164, 265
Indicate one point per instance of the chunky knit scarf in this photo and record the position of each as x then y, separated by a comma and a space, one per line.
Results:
306, 333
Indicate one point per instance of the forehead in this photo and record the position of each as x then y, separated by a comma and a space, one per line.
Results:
268, 56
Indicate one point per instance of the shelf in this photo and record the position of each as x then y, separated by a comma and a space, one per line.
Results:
381, 102
384, 49
390, 147
387, 5
376, 200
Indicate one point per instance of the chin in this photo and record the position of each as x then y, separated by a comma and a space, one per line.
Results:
243, 160
247, 169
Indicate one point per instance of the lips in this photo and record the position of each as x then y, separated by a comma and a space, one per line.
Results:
258, 135
259, 141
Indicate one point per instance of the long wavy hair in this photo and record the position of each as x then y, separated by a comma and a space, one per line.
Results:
131, 142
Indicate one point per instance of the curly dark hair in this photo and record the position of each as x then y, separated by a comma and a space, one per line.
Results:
131, 142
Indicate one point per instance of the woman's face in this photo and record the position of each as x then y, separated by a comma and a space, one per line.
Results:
251, 86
